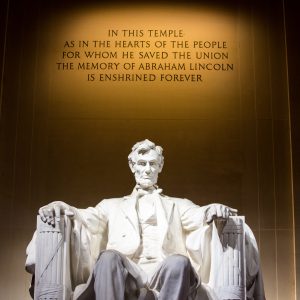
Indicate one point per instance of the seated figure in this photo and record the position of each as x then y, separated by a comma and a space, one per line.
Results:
148, 245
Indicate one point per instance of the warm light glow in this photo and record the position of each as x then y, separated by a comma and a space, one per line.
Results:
210, 35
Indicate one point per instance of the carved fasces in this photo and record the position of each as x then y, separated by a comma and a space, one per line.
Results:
232, 265
52, 278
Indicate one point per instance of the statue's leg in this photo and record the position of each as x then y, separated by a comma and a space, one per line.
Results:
175, 279
111, 278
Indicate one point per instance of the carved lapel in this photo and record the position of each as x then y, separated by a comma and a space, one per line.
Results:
164, 210
128, 207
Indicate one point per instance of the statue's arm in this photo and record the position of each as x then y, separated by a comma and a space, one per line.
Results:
93, 218
194, 216
218, 211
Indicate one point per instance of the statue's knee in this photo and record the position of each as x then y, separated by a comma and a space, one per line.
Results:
109, 258
178, 263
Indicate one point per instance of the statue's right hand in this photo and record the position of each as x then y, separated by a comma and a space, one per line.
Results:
52, 212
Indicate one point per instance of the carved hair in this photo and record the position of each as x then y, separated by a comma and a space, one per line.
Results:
143, 147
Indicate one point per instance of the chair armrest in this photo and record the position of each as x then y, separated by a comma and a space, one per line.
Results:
52, 268
232, 267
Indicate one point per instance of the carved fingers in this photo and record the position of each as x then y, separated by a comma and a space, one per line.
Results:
51, 213
219, 211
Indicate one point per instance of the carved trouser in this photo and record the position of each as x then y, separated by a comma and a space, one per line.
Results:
175, 279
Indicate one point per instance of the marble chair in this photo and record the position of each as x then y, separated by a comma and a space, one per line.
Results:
52, 271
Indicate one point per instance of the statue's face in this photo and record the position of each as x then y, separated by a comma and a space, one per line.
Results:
146, 169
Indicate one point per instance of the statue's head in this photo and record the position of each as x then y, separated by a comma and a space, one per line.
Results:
146, 162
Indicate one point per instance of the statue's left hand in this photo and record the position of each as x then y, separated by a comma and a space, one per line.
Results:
218, 211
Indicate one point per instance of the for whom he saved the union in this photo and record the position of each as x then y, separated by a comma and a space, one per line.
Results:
148, 245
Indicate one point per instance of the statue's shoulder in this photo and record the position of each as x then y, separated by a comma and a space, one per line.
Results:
111, 201
179, 201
